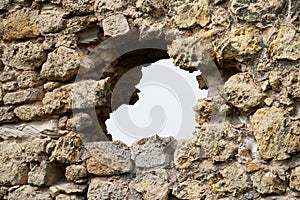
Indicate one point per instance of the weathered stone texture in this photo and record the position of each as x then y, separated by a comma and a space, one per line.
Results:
23, 96
115, 25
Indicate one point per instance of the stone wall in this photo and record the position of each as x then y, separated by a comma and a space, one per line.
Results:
60, 61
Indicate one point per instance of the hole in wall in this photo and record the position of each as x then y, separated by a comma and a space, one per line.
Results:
160, 102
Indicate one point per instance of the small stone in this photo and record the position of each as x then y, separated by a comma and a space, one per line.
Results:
234, 182
269, 132
67, 188
115, 25
203, 110
29, 79
8, 75
20, 25
5, 4
188, 15
268, 183
286, 44
243, 93
242, 45
7, 114
23, 96
292, 140
24, 56
154, 185
79, 7
191, 189
50, 19
102, 6
62, 64
49, 86
45, 174
76, 173
252, 167
67, 149
109, 158
35, 149
295, 179
29, 192
153, 152
79, 122
69, 197
29, 112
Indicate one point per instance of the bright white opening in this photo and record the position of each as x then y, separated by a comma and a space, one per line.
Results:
165, 106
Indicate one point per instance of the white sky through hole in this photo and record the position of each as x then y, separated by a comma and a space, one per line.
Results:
176, 100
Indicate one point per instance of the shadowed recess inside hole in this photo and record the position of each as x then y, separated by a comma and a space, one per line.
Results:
166, 97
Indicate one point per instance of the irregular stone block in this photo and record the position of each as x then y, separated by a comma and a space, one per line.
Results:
108, 158
24, 56
102, 6
115, 25
268, 183
153, 152
7, 114
67, 149
218, 141
29, 79
256, 11
62, 64
114, 188
191, 189
76, 173
10, 86
187, 15
203, 110
295, 179
5, 4
292, 140
23, 96
152, 185
29, 192
45, 174
69, 197
29, 112
269, 132
8, 75
241, 45
50, 19
67, 188
79, 7
80, 95
243, 92
35, 150
234, 182
286, 44
20, 24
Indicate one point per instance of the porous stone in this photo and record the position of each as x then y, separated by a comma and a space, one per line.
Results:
69, 197
203, 110
67, 149
115, 25
29, 112
115, 188
269, 132
23, 96
7, 114
8, 75
152, 185
286, 44
76, 173
153, 152
10, 86
79, 7
242, 45
62, 64
191, 189
102, 6
108, 158
24, 56
5, 4
243, 92
45, 174
79, 122
20, 24
29, 192
268, 183
234, 182
295, 179
187, 15
29, 79
292, 140
256, 11
35, 149
50, 19
218, 141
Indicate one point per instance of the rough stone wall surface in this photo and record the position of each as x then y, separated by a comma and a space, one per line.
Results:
248, 141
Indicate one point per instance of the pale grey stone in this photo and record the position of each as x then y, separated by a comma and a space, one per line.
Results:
7, 114
29, 79
23, 96
29, 192
67, 188
115, 25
